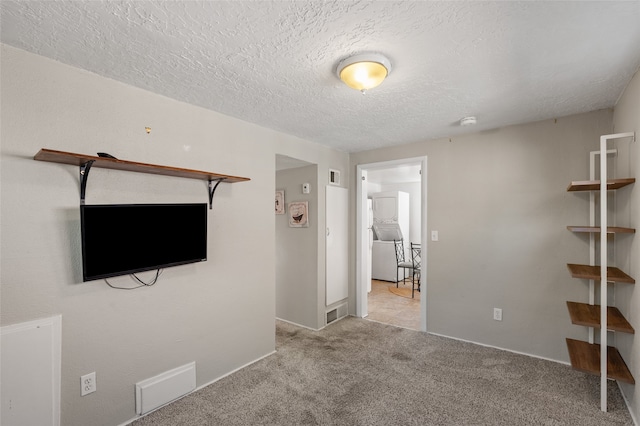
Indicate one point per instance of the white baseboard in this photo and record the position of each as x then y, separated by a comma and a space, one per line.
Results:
499, 348
208, 383
235, 370
298, 325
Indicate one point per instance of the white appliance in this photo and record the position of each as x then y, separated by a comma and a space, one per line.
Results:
390, 222
384, 251
383, 265
387, 231
392, 207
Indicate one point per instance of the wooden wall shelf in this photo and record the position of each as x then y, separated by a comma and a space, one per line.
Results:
597, 229
85, 162
130, 166
594, 185
586, 357
593, 273
589, 316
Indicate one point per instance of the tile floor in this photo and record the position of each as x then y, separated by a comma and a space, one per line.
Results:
389, 308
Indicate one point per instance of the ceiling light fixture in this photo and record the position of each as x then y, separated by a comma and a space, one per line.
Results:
364, 72
468, 121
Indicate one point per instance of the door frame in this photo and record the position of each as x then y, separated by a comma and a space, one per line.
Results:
362, 236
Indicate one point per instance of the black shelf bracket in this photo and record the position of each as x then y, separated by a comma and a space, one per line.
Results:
84, 175
212, 190
86, 167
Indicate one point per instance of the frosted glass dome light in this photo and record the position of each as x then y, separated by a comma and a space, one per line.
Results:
364, 72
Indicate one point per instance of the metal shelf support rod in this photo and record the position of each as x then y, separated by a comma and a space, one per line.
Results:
212, 190
84, 175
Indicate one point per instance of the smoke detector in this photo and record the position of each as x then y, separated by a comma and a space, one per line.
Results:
468, 121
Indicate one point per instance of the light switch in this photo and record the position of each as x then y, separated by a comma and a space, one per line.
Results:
306, 188
434, 235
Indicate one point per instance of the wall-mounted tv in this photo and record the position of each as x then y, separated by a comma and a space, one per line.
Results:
121, 239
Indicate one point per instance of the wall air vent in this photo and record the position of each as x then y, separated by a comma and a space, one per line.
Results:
334, 177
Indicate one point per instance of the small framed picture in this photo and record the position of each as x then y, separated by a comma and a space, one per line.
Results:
299, 214
334, 177
280, 201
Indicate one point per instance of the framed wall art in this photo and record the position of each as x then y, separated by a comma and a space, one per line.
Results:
299, 214
280, 201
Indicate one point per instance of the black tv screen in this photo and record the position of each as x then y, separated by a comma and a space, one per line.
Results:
121, 239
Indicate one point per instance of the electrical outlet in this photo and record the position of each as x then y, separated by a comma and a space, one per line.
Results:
87, 384
497, 314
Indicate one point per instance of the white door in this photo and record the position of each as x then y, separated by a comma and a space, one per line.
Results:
30, 361
337, 244
369, 254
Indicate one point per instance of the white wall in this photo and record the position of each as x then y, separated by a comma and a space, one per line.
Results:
219, 313
626, 118
372, 188
498, 199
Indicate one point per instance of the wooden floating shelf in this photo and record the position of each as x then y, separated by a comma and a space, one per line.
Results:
594, 185
597, 229
586, 357
593, 273
589, 316
131, 166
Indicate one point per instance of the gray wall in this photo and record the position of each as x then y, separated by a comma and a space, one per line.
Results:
297, 251
498, 199
219, 313
626, 118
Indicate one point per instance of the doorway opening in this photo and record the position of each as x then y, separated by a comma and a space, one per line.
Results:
296, 246
384, 178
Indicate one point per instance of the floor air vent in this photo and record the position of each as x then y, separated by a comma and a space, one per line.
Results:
332, 316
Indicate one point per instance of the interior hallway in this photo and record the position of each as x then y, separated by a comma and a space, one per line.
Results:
389, 308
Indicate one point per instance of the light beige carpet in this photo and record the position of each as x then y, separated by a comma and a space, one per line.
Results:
359, 372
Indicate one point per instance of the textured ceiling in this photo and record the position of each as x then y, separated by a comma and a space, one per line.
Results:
273, 62
404, 173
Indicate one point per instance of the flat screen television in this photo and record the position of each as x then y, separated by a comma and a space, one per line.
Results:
122, 239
